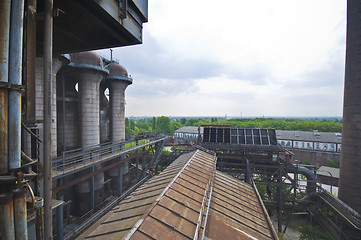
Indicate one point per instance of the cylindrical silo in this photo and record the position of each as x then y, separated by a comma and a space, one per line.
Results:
350, 170
104, 113
88, 68
119, 81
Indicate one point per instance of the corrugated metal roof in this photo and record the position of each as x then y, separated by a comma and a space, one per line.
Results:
186, 198
189, 129
329, 171
327, 137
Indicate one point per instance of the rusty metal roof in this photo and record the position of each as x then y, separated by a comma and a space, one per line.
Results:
186, 198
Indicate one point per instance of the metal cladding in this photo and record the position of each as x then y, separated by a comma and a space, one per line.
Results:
15, 77
350, 169
188, 200
119, 80
7, 230
21, 230
4, 65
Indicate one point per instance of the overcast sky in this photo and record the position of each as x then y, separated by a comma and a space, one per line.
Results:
238, 57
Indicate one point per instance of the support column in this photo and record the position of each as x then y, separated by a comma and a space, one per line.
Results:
120, 180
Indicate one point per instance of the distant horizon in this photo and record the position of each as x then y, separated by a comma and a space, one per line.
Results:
245, 117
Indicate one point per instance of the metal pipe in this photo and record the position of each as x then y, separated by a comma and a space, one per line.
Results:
21, 230
30, 53
63, 107
39, 203
7, 230
15, 77
310, 175
4, 65
48, 61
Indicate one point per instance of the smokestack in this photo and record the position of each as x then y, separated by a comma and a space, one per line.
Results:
350, 170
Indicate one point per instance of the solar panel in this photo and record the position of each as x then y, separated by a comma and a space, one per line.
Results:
253, 136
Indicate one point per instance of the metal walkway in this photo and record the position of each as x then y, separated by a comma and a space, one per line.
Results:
79, 159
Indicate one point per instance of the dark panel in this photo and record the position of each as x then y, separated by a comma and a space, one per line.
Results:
234, 139
256, 132
233, 131
272, 136
241, 140
264, 132
220, 135
249, 132
249, 140
227, 135
257, 139
213, 135
206, 135
265, 140
241, 131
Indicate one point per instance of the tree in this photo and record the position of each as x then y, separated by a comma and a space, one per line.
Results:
183, 121
163, 125
154, 123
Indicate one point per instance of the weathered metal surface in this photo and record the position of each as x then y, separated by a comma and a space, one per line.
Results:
7, 230
21, 229
30, 59
245, 217
196, 197
3, 130
4, 65
47, 83
93, 24
124, 215
350, 173
15, 77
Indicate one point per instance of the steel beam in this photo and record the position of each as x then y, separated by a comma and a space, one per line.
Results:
48, 65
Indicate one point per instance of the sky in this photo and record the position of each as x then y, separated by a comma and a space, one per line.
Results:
238, 58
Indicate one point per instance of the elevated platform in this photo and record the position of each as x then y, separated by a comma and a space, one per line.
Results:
80, 159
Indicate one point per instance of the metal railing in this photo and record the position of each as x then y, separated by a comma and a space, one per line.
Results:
350, 215
76, 158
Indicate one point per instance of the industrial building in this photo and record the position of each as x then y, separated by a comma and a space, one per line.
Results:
66, 167
319, 148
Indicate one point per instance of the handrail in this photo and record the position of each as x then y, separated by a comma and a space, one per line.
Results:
76, 157
350, 215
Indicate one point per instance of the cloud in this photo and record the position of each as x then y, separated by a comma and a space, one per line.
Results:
262, 57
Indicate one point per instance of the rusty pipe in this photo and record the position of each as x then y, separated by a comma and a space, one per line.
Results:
21, 229
4, 65
30, 58
48, 62
7, 230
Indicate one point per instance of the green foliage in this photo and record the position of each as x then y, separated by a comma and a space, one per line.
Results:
262, 190
165, 125
307, 162
333, 163
309, 232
